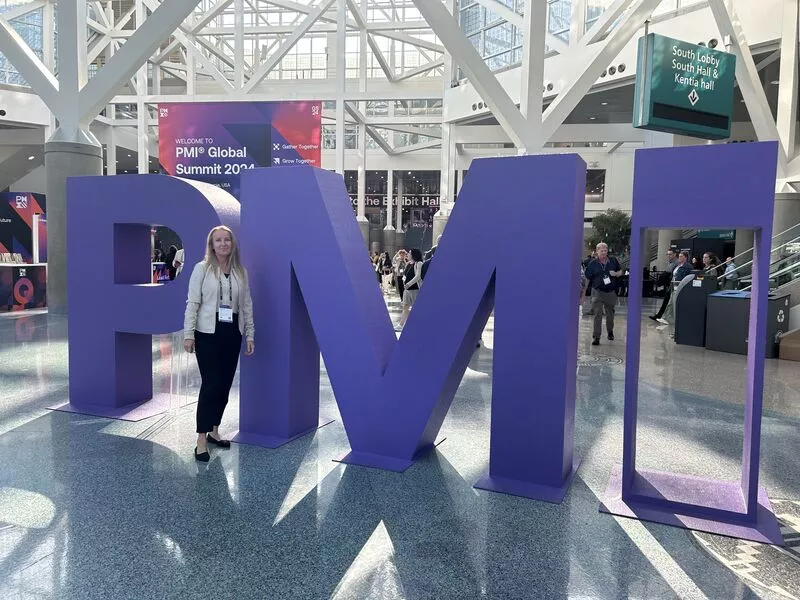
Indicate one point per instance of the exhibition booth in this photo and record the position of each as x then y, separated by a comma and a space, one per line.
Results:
23, 251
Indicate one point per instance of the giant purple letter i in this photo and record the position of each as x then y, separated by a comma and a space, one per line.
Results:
318, 291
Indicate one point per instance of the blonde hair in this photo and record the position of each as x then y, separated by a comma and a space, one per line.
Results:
211, 256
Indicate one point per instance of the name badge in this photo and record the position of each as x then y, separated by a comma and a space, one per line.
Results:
225, 314
607, 280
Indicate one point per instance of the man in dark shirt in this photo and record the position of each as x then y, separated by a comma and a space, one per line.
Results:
602, 274
672, 264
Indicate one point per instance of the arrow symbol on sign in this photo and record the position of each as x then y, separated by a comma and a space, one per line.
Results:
694, 97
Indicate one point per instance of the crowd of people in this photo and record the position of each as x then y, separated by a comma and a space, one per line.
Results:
601, 275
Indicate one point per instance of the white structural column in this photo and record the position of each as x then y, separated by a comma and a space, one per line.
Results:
341, 73
448, 154
447, 182
787, 91
389, 238
238, 44
399, 235
191, 72
361, 217
532, 72
142, 112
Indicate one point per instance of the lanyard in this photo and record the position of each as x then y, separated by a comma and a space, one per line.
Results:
230, 290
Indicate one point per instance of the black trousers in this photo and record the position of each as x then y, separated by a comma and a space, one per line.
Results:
667, 294
217, 356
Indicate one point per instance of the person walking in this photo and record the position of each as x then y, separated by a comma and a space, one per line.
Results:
219, 311
683, 270
412, 281
601, 275
672, 264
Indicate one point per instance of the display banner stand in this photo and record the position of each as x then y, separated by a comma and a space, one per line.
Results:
717, 187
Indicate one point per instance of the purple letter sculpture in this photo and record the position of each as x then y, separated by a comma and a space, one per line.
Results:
318, 291
729, 187
114, 309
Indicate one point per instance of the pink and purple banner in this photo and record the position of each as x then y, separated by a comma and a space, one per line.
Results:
215, 141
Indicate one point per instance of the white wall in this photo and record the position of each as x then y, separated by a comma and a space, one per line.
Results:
35, 182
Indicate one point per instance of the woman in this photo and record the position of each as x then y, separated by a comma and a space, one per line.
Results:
386, 272
412, 280
170, 260
711, 264
399, 262
219, 311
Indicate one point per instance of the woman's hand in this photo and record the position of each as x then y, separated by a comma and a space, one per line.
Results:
188, 345
251, 347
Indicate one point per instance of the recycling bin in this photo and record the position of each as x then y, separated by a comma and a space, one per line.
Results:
728, 322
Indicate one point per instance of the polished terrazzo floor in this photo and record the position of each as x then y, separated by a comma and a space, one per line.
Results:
93, 508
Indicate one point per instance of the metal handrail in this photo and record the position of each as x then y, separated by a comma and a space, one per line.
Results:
780, 272
775, 249
774, 237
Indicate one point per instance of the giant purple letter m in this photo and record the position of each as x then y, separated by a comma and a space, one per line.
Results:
513, 244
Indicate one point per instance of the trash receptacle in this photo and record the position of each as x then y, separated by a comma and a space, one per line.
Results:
728, 322
690, 310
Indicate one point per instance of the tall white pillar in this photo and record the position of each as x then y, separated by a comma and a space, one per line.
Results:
341, 73
389, 237
142, 111
361, 216
400, 236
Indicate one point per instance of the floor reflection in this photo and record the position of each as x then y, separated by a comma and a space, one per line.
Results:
112, 509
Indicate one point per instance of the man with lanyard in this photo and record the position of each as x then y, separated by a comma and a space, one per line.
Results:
672, 264
601, 273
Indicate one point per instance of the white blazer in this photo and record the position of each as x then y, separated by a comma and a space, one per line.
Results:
203, 302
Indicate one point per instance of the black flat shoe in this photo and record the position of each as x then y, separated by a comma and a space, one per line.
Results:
653, 318
596, 342
611, 336
216, 442
202, 457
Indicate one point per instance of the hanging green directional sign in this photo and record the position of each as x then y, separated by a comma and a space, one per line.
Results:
684, 88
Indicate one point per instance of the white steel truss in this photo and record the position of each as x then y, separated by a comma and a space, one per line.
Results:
368, 56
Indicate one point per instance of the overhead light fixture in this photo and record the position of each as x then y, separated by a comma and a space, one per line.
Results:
129, 156
775, 82
31, 157
604, 104
592, 118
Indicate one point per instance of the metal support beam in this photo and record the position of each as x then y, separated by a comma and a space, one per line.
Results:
462, 50
287, 44
423, 146
161, 24
518, 21
72, 65
532, 73
749, 82
373, 46
420, 70
19, 54
787, 92
598, 59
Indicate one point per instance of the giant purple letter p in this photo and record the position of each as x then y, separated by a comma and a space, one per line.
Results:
114, 309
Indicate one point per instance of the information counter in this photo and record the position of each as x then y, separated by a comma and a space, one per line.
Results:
22, 286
